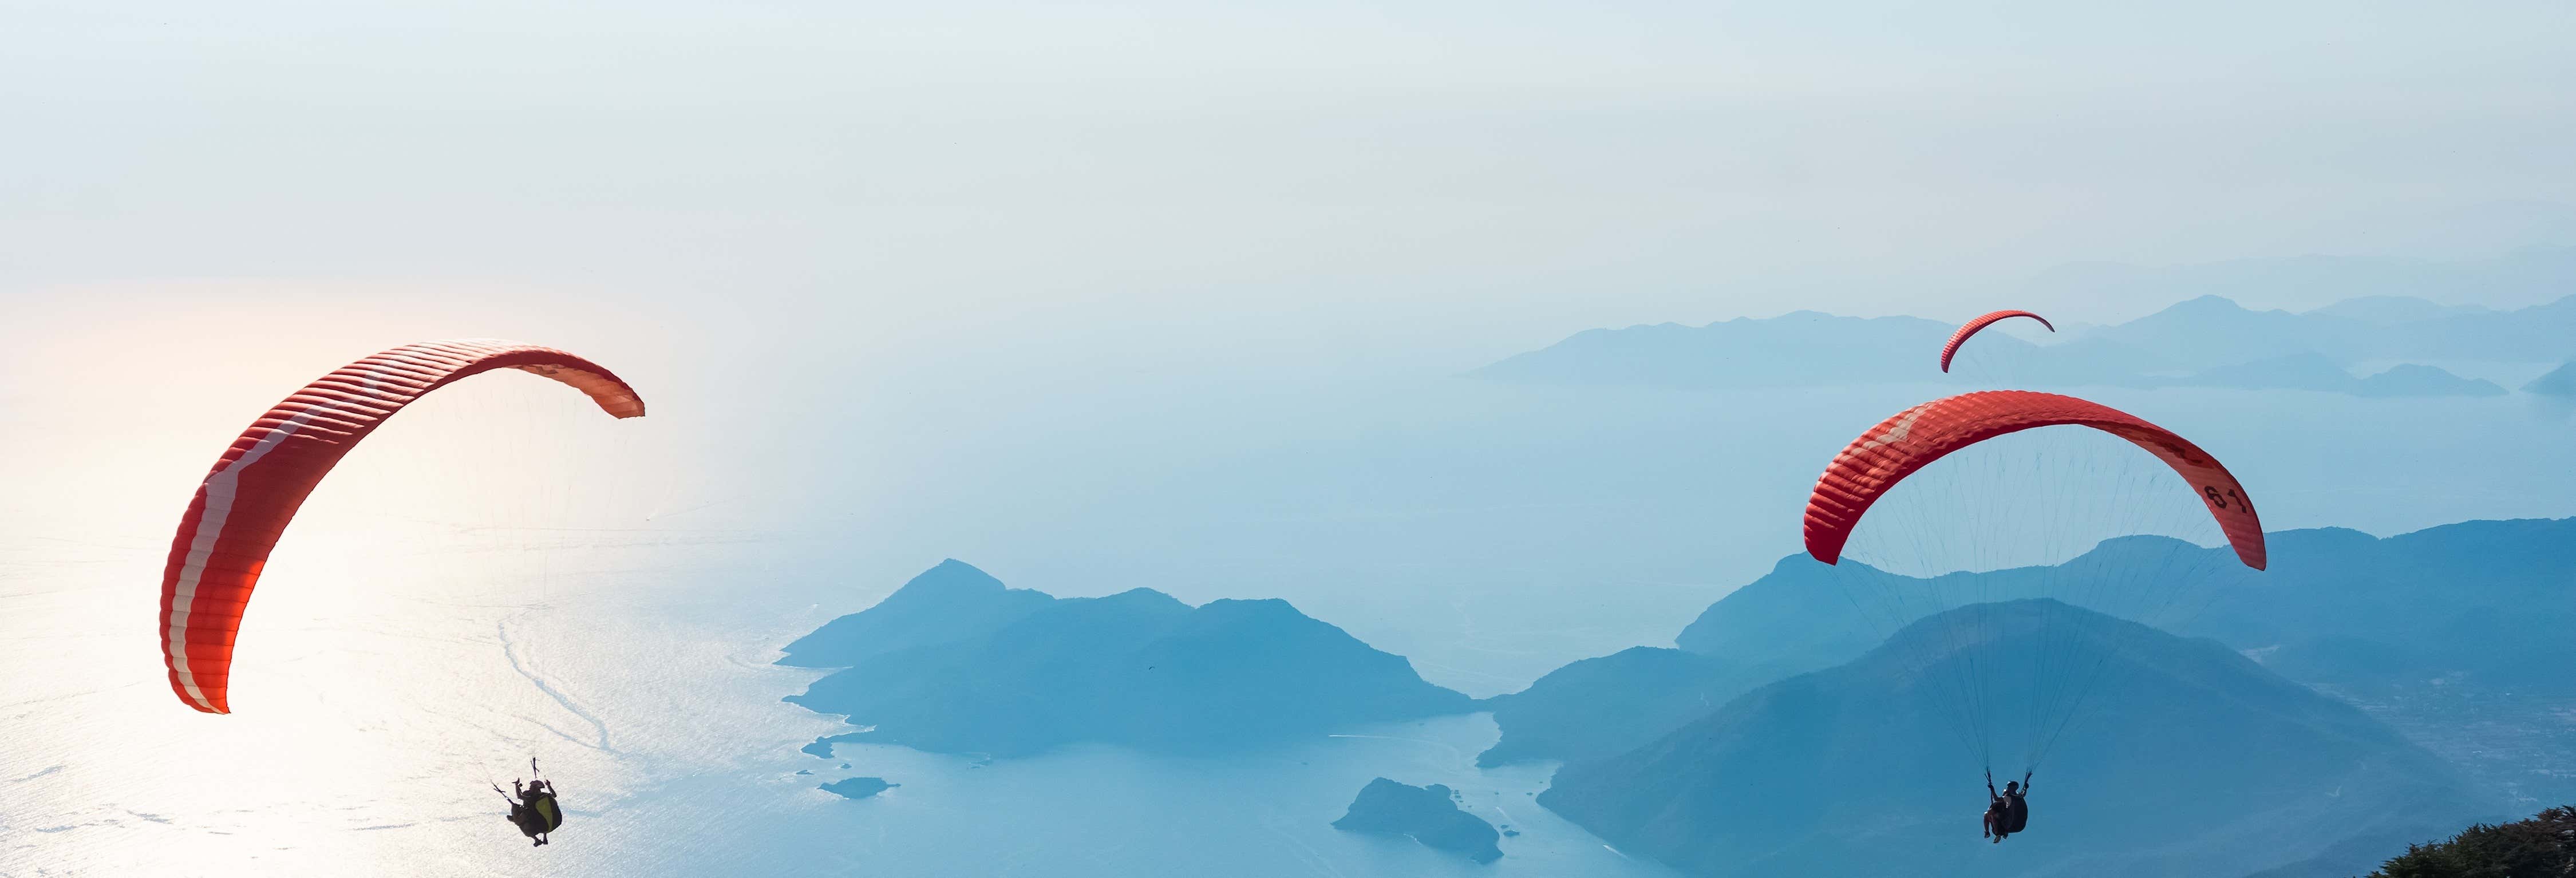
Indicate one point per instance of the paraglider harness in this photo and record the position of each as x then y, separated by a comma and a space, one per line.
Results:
2006, 815
534, 811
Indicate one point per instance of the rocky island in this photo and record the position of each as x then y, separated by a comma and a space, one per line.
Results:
1429, 815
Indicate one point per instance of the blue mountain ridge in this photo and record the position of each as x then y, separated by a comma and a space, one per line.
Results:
2454, 635
2202, 342
2560, 382
2479, 602
947, 602
1600, 707
1138, 668
2201, 762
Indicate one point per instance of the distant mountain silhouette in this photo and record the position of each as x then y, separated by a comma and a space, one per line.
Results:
2395, 310
2214, 330
2199, 762
1429, 815
2410, 379
2559, 382
2478, 603
2293, 372
1798, 618
2527, 275
2312, 371
2455, 634
1601, 707
949, 602
2204, 341
1137, 668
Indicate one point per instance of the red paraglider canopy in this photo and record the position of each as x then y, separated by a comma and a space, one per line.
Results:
1972, 327
254, 490
1874, 463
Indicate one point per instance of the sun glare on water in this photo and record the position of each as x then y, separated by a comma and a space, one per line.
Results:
431, 619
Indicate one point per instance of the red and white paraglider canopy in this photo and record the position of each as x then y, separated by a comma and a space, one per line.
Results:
1972, 327
1912, 439
254, 490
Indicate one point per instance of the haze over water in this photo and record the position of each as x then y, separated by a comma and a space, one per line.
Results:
400, 658
1094, 297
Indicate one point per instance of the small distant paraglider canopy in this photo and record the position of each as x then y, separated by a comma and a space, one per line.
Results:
254, 490
1912, 439
1973, 327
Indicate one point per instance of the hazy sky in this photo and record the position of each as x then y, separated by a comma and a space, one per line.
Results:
1361, 176
826, 212
1098, 296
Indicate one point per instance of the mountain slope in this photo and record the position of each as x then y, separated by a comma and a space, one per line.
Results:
1137, 668
1601, 707
2482, 598
2541, 846
2204, 338
2530, 274
2560, 382
2212, 331
948, 602
2456, 635
2395, 310
2413, 379
2311, 371
2197, 762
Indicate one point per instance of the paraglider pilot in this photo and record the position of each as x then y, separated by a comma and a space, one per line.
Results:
2006, 812
534, 811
